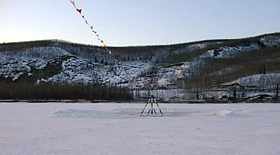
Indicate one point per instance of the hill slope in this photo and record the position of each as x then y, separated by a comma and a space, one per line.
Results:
204, 64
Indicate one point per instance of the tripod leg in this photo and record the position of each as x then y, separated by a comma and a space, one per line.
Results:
159, 108
144, 109
152, 108
155, 112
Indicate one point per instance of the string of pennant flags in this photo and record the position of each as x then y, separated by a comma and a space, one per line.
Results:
93, 31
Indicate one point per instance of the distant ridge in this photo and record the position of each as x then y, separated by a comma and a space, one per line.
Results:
175, 44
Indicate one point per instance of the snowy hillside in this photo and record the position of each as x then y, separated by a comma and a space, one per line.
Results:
160, 67
260, 80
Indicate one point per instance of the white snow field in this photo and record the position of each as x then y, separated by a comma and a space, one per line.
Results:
117, 129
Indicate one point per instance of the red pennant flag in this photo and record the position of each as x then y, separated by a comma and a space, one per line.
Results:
80, 11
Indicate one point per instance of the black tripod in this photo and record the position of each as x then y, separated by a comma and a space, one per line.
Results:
152, 108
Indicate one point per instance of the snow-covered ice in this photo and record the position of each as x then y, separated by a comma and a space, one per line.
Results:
117, 129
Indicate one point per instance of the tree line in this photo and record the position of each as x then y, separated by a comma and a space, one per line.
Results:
30, 91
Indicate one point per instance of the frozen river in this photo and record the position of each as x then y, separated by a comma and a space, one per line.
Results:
117, 129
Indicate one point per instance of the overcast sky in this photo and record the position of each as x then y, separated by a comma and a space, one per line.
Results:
137, 22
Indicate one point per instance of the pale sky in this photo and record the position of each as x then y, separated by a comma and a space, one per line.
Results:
138, 22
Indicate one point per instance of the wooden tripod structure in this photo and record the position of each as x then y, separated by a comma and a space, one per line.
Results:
152, 107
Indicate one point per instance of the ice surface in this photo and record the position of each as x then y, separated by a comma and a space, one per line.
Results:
117, 129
